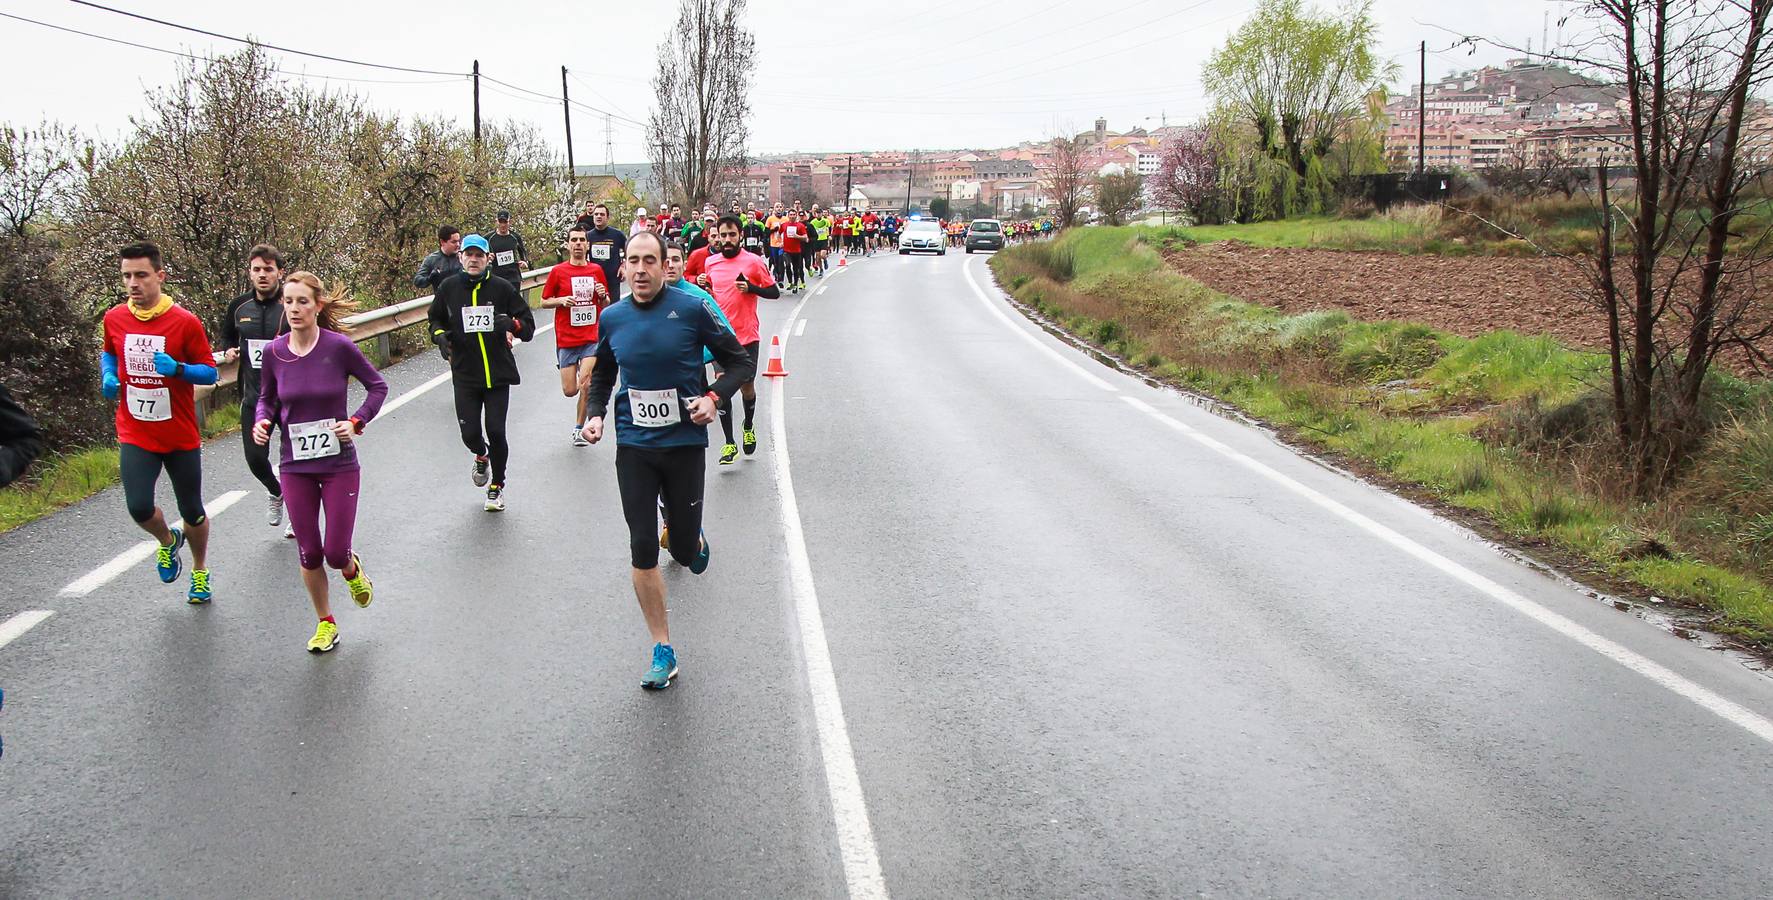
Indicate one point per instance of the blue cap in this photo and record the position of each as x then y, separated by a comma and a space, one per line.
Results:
475, 242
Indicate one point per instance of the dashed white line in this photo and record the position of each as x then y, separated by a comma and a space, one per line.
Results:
122, 562
966, 269
12, 629
1728, 710
821, 289
849, 807
411, 395
800, 326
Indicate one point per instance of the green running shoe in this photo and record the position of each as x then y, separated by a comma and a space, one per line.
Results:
664, 668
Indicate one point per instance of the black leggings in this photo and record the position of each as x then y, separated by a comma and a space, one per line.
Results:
140, 469
258, 456
675, 476
473, 403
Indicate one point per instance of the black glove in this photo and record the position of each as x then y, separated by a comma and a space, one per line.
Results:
504, 324
442, 341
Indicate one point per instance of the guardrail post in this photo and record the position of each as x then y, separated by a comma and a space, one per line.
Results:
384, 349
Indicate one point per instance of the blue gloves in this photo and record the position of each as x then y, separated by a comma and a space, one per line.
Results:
165, 365
111, 386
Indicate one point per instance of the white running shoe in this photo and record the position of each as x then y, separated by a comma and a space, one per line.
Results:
579, 437
274, 510
495, 498
289, 530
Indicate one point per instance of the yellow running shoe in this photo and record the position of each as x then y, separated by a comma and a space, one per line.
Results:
326, 637
360, 587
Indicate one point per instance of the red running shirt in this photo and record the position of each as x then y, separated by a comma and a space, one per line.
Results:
577, 282
740, 308
154, 413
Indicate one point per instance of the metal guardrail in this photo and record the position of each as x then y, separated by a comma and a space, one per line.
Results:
375, 323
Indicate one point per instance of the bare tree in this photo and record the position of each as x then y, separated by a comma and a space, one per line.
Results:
36, 168
1118, 195
1065, 180
698, 131
1537, 172
1676, 265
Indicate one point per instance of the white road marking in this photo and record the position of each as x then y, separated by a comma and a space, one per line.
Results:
966, 269
122, 562
800, 327
821, 289
1728, 710
411, 395
15, 627
849, 807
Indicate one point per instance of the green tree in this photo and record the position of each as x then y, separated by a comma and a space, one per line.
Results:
940, 207
1295, 76
1119, 194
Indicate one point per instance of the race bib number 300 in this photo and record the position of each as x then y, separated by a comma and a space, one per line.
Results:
313, 440
138, 354
149, 404
477, 319
655, 409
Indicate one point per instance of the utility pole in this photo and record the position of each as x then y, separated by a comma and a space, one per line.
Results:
477, 104
566, 106
910, 168
1422, 114
848, 170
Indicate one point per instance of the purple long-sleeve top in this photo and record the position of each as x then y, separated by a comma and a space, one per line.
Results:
298, 389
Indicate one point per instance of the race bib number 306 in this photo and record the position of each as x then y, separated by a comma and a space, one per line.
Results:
655, 409
477, 319
313, 440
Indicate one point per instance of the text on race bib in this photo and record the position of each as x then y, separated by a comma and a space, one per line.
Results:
138, 354
584, 309
600, 251
313, 440
654, 409
504, 257
477, 319
584, 314
255, 352
149, 404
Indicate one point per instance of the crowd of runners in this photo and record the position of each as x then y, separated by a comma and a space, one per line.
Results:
656, 333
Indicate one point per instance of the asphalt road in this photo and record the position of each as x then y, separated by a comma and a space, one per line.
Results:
1021, 625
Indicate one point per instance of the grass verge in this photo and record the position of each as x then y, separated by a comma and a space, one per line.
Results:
1493, 426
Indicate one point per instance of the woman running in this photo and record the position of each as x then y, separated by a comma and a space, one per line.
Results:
303, 382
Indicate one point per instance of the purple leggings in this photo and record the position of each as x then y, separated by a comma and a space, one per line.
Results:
304, 496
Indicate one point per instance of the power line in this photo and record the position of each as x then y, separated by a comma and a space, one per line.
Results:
596, 93
193, 56
239, 40
551, 98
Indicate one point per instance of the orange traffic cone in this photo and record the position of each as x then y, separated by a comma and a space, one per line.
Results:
774, 368
843, 260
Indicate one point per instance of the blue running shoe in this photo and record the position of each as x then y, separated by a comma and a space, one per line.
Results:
701, 563
199, 594
664, 668
166, 559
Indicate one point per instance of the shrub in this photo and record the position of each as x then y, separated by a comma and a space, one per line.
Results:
49, 348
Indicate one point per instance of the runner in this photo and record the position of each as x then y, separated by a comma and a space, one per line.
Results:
821, 227
773, 225
475, 318
307, 373
794, 239
871, 230
756, 236
252, 321
154, 351
606, 247
509, 256
736, 279
653, 341
576, 292
840, 233
443, 262
640, 223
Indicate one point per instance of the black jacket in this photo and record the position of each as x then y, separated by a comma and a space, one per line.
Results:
480, 358
436, 267
247, 319
20, 441
508, 243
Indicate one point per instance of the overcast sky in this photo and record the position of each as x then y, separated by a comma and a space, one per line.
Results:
830, 76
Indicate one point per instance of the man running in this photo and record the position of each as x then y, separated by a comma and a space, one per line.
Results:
606, 245
307, 373
654, 341
253, 320
794, 240
154, 351
443, 262
509, 256
576, 291
475, 318
736, 279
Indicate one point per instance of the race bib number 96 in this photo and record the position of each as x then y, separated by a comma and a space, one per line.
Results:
477, 319
655, 409
600, 251
313, 440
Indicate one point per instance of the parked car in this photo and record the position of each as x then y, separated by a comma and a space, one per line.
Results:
984, 234
922, 235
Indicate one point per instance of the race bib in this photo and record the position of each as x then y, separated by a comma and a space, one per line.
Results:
313, 440
255, 352
600, 251
149, 404
477, 319
138, 354
504, 257
584, 314
655, 409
